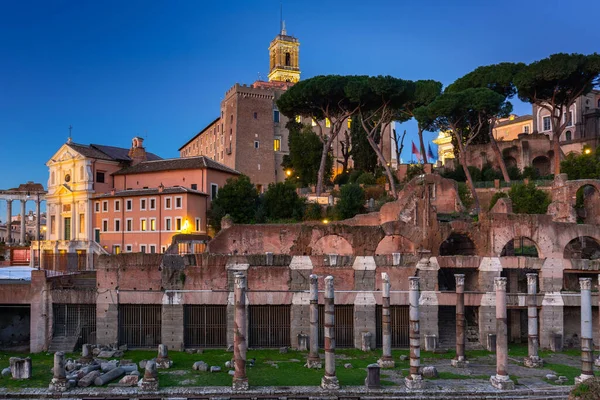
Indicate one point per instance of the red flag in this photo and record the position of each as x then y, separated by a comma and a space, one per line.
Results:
416, 152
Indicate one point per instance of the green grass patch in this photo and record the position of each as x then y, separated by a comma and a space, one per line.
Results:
563, 370
41, 364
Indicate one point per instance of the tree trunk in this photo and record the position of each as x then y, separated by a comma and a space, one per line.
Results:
383, 162
321, 173
498, 153
463, 161
423, 152
556, 148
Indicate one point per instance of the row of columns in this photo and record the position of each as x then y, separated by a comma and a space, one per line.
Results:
414, 380
9, 236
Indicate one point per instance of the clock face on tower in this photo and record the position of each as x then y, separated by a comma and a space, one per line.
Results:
67, 177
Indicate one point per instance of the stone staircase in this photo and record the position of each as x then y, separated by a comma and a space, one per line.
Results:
63, 343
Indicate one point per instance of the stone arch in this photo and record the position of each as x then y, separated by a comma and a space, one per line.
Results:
458, 244
510, 161
332, 244
582, 248
542, 165
521, 246
587, 204
395, 244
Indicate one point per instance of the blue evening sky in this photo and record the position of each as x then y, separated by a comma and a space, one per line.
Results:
159, 69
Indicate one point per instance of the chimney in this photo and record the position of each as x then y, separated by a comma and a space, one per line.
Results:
137, 153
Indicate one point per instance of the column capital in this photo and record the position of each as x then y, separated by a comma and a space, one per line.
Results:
413, 283
532, 279
500, 283
585, 283
240, 280
329, 287
460, 279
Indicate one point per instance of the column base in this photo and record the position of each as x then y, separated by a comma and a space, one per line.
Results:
313, 363
582, 378
459, 363
58, 385
150, 385
386, 363
533, 362
240, 384
414, 382
502, 382
330, 383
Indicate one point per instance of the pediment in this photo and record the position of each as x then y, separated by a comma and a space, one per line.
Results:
63, 189
65, 153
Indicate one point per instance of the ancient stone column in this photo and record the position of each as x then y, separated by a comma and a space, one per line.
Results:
23, 230
240, 347
597, 362
501, 380
8, 221
38, 218
587, 349
415, 379
86, 354
532, 360
150, 380
59, 375
162, 359
386, 360
329, 381
460, 361
313, 360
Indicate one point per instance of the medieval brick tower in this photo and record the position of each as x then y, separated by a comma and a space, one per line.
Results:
284, 53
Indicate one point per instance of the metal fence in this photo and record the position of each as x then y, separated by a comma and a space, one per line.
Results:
139, 325
205, 326
399, 321
344, 326
269, 326
75, 320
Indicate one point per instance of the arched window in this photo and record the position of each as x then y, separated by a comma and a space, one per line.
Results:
582, 248
288, 59
568, 136
457, 244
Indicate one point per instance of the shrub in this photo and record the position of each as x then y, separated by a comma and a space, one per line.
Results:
514, 172
530, 172
354, 175
475, 173
527, 199
352, 201
312, 212
382, 180
366, 178
464, 193
414, 170
374, 192
341, 179
238, 198
496, 197
489, 173
281, 202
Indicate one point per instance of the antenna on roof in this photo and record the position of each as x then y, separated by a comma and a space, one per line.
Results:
70, 138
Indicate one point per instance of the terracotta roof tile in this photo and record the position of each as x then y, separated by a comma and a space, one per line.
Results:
169, 164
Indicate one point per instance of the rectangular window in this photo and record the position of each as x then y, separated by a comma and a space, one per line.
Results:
117, 205
178, 202
327, 123
256, 144
97, 235
143, 226
526, 129
128, 248
198, 224
117, 225
276, 116
129, 205
313, 122
349, 123
100, 176
168, 224
97, 206
178, 223
194, 186
152, 248
105, 206
214, 189
167, 203
569, 115
116, 249
546, 124
277, 144
104, 225
152, 224
298, 119
129, 224
153, 204
142, 248
53, 224
81, 223
143, 204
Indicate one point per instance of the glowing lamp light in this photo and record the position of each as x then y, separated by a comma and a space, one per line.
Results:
185, 228
587, 151
288, 172
325, 221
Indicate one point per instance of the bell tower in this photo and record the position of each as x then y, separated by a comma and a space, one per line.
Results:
284, 53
